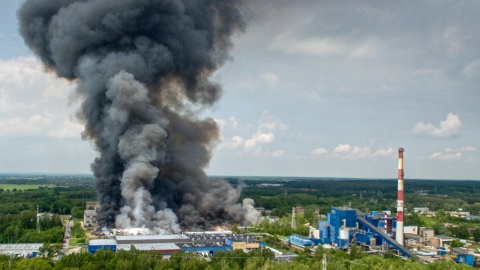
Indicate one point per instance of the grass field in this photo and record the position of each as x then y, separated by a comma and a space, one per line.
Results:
23, 187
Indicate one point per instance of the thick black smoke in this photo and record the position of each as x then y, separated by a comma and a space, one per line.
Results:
143, 67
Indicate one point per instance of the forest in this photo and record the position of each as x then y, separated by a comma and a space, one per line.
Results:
231, 260
64, 196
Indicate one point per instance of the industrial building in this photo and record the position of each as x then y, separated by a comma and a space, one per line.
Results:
107, 244
89, 218
90, 213
202, 242
346, 226
467, 259
20, 250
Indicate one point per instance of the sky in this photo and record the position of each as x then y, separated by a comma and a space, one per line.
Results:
312, 89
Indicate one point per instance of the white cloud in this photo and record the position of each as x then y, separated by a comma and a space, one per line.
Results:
360, 152
278, 153
320, 151
472, 69
235, 142
264, 134
384, 152
264, 137
312, 46
33, 102
443, 156
270, 78
19, 126
448, 128
322, 46
461, 149
269, 123
69, 129
229, 122
342, 148
363, 50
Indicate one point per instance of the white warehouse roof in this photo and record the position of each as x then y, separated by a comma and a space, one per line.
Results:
153, 246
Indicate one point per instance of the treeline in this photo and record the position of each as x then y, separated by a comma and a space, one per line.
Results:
58, 200
65, 180
257, 259
22, 228
18, 213
363, 194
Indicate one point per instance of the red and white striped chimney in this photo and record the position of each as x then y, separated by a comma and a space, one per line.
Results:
385, 225
400, 205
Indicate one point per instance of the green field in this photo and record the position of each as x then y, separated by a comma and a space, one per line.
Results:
23, 187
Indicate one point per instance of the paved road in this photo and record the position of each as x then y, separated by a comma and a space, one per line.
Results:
66, 238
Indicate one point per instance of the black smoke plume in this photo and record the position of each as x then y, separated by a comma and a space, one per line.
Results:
142, 68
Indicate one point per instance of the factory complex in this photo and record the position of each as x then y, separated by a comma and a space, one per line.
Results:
205, 243
379, 232
345, 226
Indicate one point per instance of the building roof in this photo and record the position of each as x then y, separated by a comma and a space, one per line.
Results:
242, 239
144, 239
202, 245
444, 237
102, 242
19, 248
90, 213
150, 246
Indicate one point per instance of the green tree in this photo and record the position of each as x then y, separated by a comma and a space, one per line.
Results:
476, 235
413, 219
456, 243
35, 263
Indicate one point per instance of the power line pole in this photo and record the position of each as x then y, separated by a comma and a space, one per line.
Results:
38, 221
324, 262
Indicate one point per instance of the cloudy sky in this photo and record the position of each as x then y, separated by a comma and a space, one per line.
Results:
314, 88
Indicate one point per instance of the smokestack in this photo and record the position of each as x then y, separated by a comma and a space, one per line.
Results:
400, 205
385, 222
294, 225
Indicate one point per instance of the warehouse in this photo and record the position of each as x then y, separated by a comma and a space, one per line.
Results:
203, 242
20, 250
205, 248
164, 248
106, 244
149, 239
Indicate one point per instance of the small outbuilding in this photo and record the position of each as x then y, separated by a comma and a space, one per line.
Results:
468, 259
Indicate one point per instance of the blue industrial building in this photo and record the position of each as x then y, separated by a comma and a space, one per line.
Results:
467, 259
345, 226
106, 244
300, 241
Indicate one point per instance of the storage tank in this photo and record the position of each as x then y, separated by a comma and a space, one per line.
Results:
344, 234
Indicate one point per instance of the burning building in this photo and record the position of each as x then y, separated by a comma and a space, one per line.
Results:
142, 69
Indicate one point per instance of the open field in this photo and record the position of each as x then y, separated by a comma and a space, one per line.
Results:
23, 187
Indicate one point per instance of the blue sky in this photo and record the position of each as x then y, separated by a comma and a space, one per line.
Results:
314, 88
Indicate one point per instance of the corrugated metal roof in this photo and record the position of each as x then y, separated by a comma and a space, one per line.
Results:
186, 245
144, 239
16, 248
152, 246
102, 242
